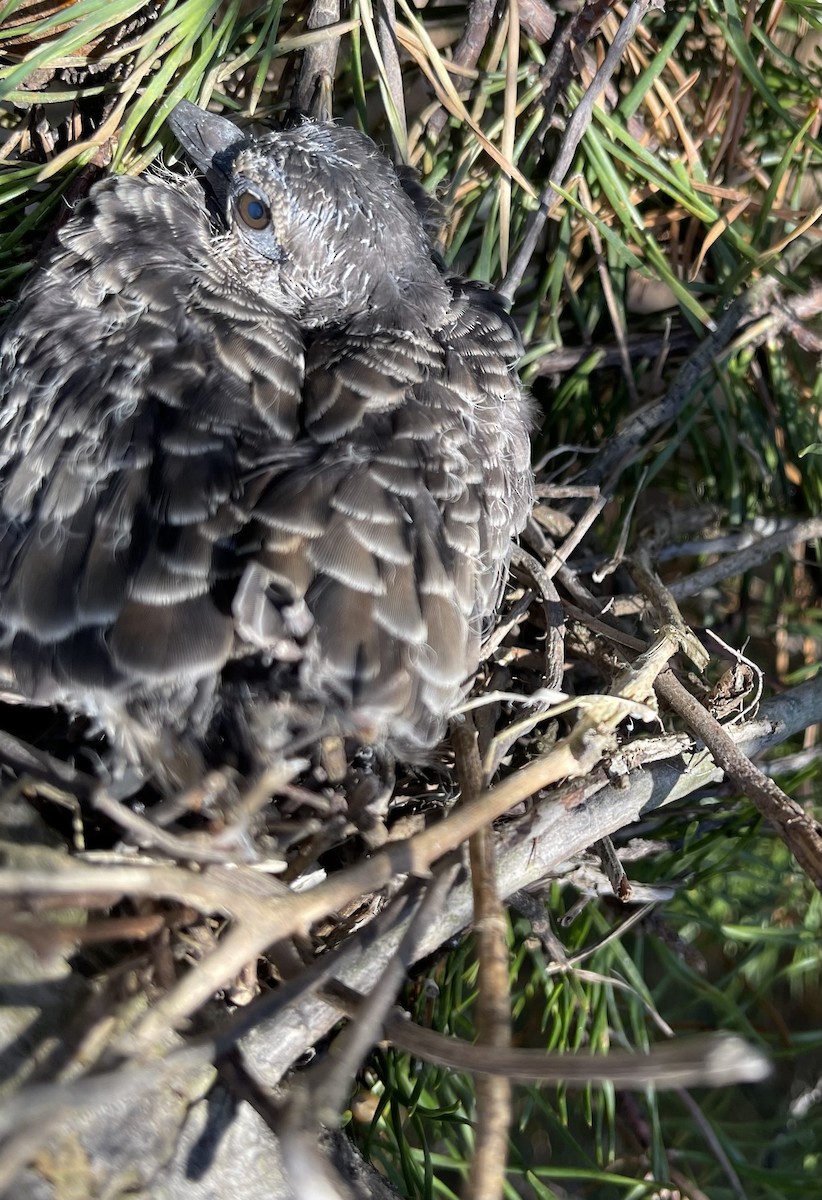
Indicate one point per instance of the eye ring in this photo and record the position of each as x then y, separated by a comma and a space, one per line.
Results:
253, 210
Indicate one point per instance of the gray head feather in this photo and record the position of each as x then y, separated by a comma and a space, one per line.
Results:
314, 216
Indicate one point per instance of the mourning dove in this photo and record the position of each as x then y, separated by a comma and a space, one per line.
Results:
255, 443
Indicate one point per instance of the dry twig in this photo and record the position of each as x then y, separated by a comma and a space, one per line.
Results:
579, 121
801, 832
486, 1178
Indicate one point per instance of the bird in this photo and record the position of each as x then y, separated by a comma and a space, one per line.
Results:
257, 445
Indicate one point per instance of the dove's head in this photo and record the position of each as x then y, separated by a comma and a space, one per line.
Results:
314, 219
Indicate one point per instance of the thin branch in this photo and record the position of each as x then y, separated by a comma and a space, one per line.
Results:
554, 617
737, 563
748, 558
713, 1061
705, 1127
800, 832
466, 54
387, 41
577, 125
486, 1177
316, 79
328, 1083
638, 346
753, 304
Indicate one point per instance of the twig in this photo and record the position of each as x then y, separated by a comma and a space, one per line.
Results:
536, 912
517, 612
562, 553
486, 1177
144, 833
801, 833
298, 991
747, 559
47, 936
638, 346
580, 120
243, 1084
748, 533
466, 54
29, 760
730, 692
603, 570
703, 1124
667, 609
554, 71
613, 868
554, 618
736, 563
751, 305
328, 1083
319, 60
713, 1061
387, 41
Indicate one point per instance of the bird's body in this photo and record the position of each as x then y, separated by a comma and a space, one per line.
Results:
251, 437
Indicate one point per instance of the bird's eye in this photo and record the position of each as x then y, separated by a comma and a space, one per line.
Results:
252, 210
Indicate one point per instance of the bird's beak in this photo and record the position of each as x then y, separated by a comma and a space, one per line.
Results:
208, 140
